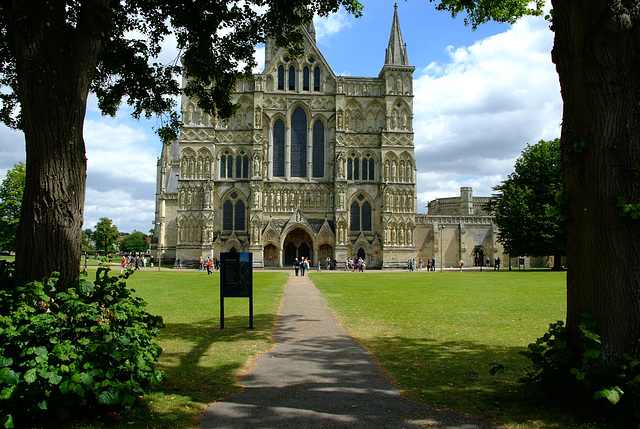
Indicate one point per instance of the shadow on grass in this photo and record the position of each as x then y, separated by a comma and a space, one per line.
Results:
456, 375
196, 373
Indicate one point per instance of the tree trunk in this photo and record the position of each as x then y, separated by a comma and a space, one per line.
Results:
55, 65
597, 57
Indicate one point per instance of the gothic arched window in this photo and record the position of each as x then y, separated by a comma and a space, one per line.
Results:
278, 148
281, 78
292, 78
299, 143
316, 79
233, 213
227, 216
242, 165
368, 167
366, 216
355, 217
353, 167
226, 165
318, 149
372, 168
238, 221
305, 79
360, 214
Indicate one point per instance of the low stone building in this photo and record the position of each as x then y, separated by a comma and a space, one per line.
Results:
458, 228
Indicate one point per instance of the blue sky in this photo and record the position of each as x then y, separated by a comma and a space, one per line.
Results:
479, 98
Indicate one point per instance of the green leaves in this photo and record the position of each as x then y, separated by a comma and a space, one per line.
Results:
560, 373
11, 191
528, 206
105, 234
86, 346
482, 11
613, 394
136, 242
628, 209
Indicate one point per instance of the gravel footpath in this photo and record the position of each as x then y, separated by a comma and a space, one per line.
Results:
318, 377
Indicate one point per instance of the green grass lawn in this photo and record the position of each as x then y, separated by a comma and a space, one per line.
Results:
439, 334
201, 360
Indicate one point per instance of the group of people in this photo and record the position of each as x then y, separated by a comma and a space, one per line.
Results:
209, 264
430, 266
355, 264
133, 262
302, 265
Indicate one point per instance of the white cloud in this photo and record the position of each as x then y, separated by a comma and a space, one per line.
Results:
121, 173
332, 24
475, 114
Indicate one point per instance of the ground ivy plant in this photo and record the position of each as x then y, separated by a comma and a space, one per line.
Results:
87, 346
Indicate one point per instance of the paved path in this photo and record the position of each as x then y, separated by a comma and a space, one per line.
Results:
318, 377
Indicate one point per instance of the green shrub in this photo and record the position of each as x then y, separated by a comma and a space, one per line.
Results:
584, 377
88, 346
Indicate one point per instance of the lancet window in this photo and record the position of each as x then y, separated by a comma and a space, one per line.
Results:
233, 213
227, 165
360, 214
360, 168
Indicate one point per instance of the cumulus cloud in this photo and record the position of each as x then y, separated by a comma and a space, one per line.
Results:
332, 24
121, 172
474, 114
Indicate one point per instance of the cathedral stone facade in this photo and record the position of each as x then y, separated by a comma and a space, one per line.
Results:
311, 165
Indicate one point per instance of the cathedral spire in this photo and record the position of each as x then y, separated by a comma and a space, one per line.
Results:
311, 29
397, 50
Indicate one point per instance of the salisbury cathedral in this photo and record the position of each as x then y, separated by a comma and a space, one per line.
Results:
311, 165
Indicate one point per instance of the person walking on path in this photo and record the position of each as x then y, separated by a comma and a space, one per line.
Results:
316, 376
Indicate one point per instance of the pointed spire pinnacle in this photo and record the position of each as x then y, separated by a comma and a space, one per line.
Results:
311, 29
397, 50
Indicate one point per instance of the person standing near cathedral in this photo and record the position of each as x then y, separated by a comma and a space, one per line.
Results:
296, 266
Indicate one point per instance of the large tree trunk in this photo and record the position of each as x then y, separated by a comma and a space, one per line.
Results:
55, 66
597, 56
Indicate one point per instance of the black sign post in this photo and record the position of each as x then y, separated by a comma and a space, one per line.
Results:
236, 280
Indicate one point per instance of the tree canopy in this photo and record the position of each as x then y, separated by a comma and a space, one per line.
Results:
11, 191
136, 242
105, 235
522, 202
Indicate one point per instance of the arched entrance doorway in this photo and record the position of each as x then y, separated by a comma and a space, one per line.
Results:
297, 244
325, 251
270, 255
362, 254
478, 256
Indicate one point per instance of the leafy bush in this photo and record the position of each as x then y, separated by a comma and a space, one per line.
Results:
88, 346
564, 373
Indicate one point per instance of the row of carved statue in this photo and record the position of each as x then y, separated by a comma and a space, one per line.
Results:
202, 232
202, 168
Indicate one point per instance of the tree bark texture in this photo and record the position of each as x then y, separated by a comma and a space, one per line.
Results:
597, 56
55, 65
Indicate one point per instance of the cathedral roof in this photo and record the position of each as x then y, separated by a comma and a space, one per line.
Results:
397, 50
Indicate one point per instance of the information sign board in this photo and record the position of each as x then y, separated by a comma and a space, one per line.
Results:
236, 280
